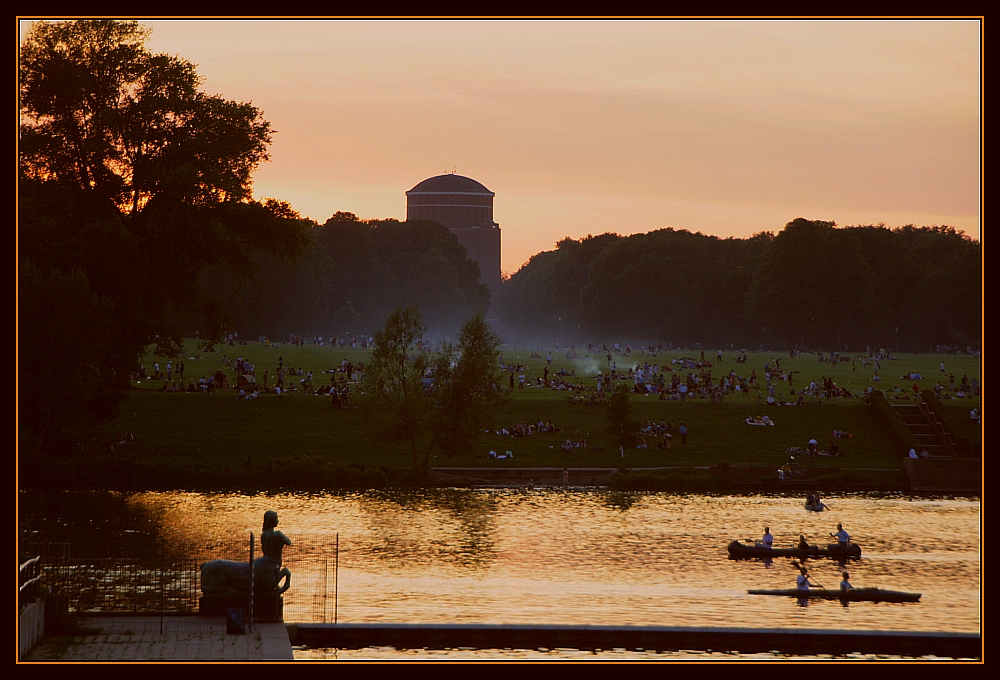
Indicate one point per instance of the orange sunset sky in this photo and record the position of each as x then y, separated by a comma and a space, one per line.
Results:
727, 127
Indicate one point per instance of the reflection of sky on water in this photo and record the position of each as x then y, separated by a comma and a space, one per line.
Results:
602, 558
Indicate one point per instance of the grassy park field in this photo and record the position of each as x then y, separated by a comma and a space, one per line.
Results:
298, 440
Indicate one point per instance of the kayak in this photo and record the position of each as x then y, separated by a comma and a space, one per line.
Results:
853, 595
738, 550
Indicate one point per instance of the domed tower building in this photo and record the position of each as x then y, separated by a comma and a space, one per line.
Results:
466, 207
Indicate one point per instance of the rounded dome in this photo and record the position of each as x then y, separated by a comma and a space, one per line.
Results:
450, 184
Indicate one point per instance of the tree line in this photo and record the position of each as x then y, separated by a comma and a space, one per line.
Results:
812, 285
352, 274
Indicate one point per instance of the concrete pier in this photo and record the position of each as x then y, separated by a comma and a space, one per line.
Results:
660, 638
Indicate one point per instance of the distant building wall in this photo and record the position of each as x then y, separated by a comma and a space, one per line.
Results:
466, 207
483, 246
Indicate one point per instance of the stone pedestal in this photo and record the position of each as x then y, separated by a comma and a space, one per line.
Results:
267, 607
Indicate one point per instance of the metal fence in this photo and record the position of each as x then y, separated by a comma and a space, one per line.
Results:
151, 578
313, 597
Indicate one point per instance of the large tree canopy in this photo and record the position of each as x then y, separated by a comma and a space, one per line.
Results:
100, 112
132, 182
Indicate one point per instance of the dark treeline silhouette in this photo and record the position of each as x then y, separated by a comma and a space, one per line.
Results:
812, 285
352, 276
132, 182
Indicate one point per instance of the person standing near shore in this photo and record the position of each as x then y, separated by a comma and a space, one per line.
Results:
683, 432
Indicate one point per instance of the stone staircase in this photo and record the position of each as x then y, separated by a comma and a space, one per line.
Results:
926, 428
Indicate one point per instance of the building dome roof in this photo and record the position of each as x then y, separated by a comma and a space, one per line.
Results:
450, 184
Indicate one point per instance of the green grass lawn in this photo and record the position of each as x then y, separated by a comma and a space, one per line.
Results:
219, 432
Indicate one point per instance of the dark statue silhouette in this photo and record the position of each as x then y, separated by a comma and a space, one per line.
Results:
227, 577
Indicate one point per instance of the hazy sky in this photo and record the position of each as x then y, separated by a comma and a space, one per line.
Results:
728, 127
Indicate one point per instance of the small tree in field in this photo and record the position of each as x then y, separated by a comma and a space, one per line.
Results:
470, 394
398, 407
433, 401
622, 428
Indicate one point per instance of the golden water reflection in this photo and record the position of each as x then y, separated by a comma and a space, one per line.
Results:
602, 558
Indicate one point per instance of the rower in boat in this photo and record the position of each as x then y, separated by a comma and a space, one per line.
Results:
815, 503
843, 539
802, 581
845, 584
803, 543
766, 541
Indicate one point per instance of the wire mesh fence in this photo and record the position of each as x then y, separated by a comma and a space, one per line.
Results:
119, 583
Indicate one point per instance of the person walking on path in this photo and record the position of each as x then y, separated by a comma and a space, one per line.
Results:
684, 433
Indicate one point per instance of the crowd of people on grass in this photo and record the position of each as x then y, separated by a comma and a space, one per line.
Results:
527, 429
249, 385
683, 378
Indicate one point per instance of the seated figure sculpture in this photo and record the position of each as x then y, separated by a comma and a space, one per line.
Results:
228, 577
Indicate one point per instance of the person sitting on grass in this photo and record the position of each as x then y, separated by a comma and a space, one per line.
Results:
567, 445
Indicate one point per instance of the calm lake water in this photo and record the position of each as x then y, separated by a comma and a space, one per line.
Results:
555, 556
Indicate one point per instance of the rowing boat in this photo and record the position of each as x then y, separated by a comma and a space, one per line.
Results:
740, 551
815, 507
852, 595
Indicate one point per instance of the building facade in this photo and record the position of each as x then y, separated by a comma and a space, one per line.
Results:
466, 207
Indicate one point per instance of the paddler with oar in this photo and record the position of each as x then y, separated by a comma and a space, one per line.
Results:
802, 581
843, 540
